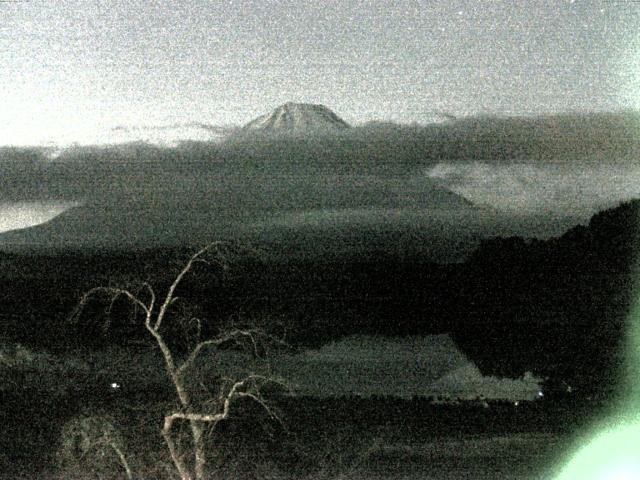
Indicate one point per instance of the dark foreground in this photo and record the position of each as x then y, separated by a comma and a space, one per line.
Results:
319, 439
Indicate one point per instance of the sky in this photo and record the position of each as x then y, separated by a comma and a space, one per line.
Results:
73, 67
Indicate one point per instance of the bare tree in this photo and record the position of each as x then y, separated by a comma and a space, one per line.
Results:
198, 414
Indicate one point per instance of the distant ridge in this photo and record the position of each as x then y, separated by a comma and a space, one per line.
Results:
294, 118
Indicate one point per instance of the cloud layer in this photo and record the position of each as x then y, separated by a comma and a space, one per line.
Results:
533, 187
378, 174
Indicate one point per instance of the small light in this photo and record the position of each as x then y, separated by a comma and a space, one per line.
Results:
540, 394
516, 403
115, 385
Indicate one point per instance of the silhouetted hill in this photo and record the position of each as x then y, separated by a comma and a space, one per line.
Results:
560, 307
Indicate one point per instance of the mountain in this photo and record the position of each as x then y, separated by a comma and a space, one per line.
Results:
298, 118
340, 224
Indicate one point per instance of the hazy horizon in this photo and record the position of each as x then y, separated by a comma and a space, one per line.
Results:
536, 112
74, 69
378, 186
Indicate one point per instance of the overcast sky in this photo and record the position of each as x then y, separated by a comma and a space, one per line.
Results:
76, 65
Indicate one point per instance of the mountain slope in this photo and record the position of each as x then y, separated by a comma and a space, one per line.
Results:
297, 118
301, 216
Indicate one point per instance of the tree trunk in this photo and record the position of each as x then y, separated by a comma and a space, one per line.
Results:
183, 471
197, 432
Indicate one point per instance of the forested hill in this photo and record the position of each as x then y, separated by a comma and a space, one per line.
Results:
558, 307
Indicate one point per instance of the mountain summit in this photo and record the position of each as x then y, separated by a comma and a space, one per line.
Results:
294, 118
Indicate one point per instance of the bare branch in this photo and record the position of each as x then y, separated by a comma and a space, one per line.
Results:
113, 293
190, 413
237, 390
183, 396
152, 294
197, 417
258, 399
198, 327
170, 294
123, 460
231, 336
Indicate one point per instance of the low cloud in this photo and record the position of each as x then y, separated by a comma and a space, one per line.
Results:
27, 214
362, 175
532, 188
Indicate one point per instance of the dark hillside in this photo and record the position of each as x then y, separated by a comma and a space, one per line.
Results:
557, 307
